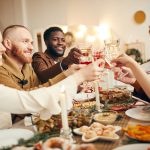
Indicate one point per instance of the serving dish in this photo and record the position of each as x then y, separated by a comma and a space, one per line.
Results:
97, 131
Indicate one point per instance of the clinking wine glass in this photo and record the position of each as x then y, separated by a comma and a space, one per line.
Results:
111, 51
86, 59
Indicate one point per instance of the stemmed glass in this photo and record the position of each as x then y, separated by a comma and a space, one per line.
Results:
86, 59
89, 56
111, 51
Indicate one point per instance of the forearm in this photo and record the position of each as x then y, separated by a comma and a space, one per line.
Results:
49, 73
42, 100
141, 77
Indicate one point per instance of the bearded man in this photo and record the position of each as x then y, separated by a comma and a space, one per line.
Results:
16, 71
50, 63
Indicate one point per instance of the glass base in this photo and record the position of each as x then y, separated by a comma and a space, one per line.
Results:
67, 134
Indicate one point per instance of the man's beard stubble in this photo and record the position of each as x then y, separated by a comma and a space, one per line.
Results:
21, 56
55, 53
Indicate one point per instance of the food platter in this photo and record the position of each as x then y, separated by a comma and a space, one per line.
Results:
138, 132
98, 130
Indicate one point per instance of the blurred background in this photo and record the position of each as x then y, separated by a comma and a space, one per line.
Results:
87, 20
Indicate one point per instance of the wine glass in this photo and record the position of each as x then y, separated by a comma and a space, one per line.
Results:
86, 51
85, 59
111, 51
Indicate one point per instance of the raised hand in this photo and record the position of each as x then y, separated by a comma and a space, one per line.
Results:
124, 75
73, 57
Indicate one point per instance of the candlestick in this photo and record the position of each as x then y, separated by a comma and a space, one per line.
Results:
98, 104
64, 117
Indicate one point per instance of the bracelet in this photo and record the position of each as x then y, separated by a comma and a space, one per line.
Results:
61, 67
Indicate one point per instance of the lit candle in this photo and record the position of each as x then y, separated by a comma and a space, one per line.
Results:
64, 117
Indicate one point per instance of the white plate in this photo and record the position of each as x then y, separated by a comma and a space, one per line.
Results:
84, 96
77, 130
138, 113
106, 138
134, 147
9, 137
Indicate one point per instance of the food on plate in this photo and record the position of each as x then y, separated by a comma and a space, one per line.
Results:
110, 127
60, 143
43, 125
97, 129
96, 125
83, 129
123, 106
106, 117
55, 142
76, 119
139, 132
85, 104
115, 95
108, 133
90, 134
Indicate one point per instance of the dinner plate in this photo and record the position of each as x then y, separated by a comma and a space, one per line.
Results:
138, 113
78, 132
84, 96
9, 137
105, 138
133, 147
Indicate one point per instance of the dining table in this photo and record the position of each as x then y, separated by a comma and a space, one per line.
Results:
123, 121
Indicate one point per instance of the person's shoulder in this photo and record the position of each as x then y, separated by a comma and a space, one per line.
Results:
38, 54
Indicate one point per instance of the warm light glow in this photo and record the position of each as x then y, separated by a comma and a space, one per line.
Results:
65, 29
104, 31
90, 38
79, 35
82, 28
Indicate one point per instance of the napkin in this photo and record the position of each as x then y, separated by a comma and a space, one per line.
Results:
5, 120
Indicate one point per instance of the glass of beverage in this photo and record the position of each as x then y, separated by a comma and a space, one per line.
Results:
112, 48
86, 51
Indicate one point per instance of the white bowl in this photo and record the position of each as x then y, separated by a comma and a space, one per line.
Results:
106, 117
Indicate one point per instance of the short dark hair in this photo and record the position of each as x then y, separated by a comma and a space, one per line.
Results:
48, 32
13, 27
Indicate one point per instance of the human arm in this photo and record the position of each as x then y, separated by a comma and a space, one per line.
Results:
45, 68
45, 100
138, 72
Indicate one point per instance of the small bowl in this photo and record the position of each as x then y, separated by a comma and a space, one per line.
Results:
106, 117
